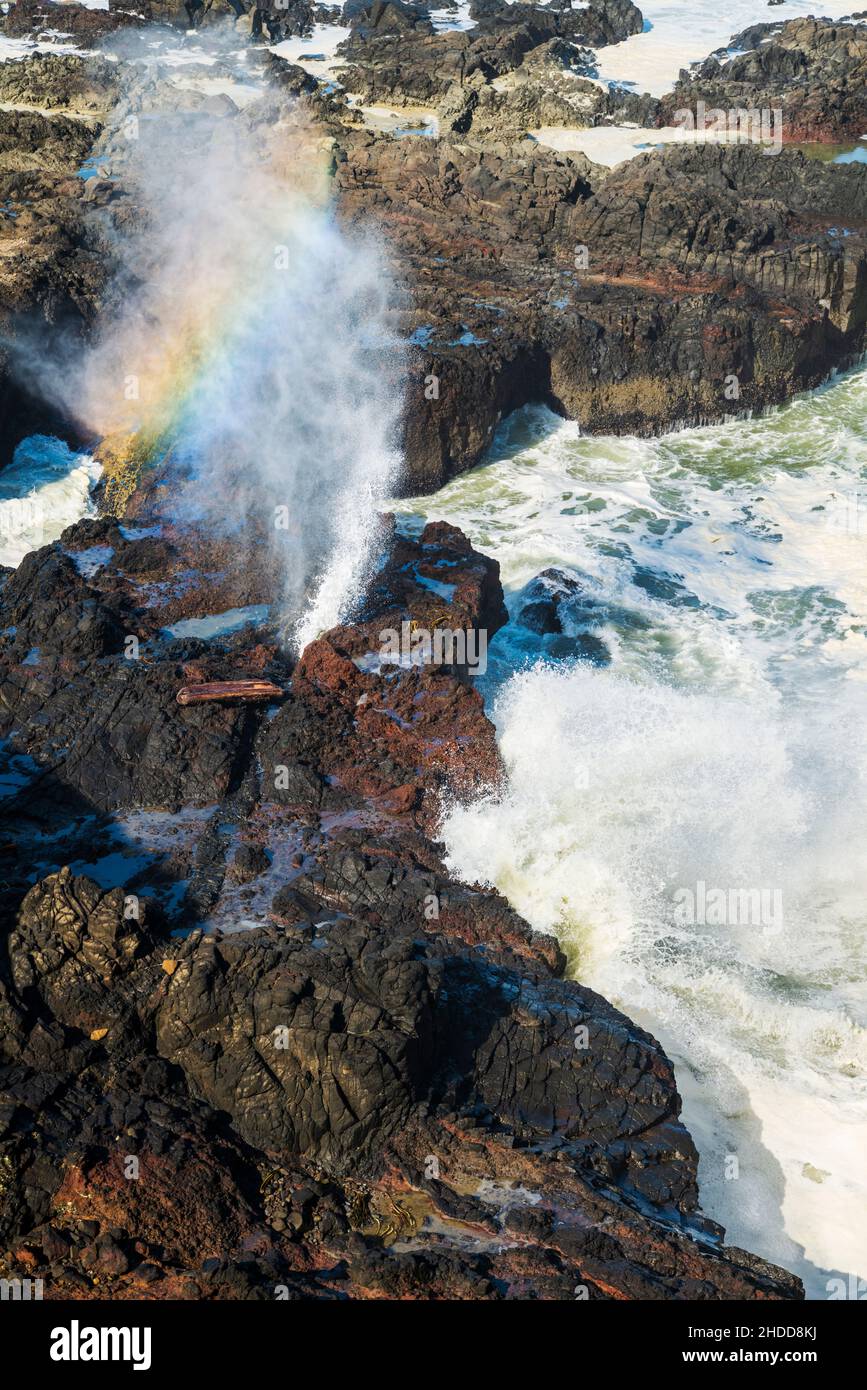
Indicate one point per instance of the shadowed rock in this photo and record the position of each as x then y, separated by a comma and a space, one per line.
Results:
387, 1080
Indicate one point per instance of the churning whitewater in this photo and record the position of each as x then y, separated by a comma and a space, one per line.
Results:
723, 748
685, 745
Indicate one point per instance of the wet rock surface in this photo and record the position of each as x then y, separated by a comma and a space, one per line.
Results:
684, 286
87, 26
256, 1040
810, 71
52, 258
287, 1055
680, 287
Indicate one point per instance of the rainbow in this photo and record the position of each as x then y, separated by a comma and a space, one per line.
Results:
144, 380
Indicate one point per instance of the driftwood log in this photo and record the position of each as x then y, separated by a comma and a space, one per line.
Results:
228, 690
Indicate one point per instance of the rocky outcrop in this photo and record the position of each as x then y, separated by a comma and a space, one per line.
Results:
223, 1121
370, 21
255, 1040
521, 66
382, 1086
395, 59
687, 285
813, 71
64, 82
87, 26
52, 266
690, 283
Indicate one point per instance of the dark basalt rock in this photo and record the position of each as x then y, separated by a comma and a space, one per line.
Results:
27, 137
291, 1036
51, 267
554, 598
324, 1048
52, 608
350, 1055
61, 81
70, 949
629, 299
289, 77
541, 616
272, 21
812, 71
388, 1016
551, 595
114, 735
393, 53
598, 23
220, 1115
85, 25
385, 17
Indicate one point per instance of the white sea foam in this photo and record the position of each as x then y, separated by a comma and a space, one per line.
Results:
726, 743
45, 489
726, 570
678, 33
12, 50
317, 54
612, 144
220, 624
458, 18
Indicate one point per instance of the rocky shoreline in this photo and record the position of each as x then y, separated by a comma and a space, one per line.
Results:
387, 1089
688, 285
382, 1086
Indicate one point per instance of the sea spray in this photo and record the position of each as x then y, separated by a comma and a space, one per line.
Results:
245, 347
622, 801
721, 758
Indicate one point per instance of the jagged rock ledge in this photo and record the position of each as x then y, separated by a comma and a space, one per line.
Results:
386, 1089
685, 286
374, 1090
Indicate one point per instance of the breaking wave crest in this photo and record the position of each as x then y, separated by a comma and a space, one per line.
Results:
723, 748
